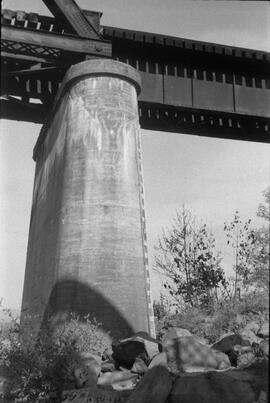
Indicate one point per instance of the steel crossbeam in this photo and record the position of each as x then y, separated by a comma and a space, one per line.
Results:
72, 17
51, 45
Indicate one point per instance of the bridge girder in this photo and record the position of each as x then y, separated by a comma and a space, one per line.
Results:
187, 86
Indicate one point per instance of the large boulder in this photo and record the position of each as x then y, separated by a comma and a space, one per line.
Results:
152, 346
140, 345
139, 366
253, 326
126, 352
87, 372
264, 330
107, 366
250, 335
264, 349
188, 354
245, 359
154, 387
95, 395
231, 386
176, 332
118, 380
246, 355
227, 343
159, 359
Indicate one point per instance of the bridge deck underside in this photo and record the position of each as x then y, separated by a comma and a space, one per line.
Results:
187, 86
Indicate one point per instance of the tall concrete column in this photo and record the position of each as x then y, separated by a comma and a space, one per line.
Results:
87, 243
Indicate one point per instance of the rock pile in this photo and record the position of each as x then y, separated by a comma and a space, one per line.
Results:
244, 348
182, 369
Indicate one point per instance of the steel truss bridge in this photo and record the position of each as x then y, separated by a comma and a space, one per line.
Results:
187, 86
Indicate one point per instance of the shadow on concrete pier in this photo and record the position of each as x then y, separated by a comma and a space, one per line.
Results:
71, 296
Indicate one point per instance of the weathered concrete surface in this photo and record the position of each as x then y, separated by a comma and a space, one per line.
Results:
87, 243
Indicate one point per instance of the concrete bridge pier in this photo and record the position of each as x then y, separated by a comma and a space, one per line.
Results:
87, 248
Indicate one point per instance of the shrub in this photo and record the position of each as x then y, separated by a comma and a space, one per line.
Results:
41, 369
159, 310
227, 316
191, 319
254, 302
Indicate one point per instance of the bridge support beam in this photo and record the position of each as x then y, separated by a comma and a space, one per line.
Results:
87, 244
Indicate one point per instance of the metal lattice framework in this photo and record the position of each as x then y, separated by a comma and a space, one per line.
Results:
30, 50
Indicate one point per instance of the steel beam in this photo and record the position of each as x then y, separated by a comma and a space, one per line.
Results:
201, 122
158, 118
164, 90
68, 12
49, 45
17, 110
23, 58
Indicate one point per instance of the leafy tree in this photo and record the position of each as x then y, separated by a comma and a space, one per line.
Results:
261, 257
161, 307
186, 254
264, 209
242, 239
259, 274
251, 246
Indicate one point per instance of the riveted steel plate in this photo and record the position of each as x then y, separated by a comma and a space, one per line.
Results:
213, 95
152, 88
252, 101
177, 91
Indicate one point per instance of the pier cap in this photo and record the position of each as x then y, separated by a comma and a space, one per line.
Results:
99, 68
90, 68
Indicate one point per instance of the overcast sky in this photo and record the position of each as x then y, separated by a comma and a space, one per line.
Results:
213, 177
